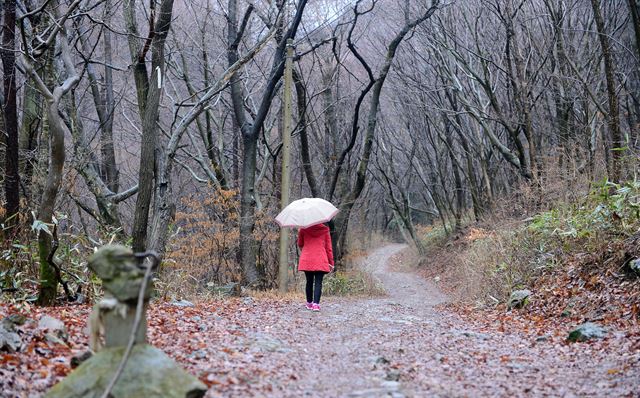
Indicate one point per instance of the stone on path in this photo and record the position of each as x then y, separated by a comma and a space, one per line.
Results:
518, 298
56, 331
149, 372
182, 303
13, 320
587, 331
634, 265
9, 340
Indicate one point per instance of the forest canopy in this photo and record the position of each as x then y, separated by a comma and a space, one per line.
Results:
159, 124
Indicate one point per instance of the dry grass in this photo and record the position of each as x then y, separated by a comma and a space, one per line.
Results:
585, 236
275, 295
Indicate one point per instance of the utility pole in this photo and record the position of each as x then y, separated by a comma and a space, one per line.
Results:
283, 269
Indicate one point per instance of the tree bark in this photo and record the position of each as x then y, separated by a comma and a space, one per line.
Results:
12, 173
614, 113
57, 131
149, 115
634, 9
301, 96
108, 165
459, 194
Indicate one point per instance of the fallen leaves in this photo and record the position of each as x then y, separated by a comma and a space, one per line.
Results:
270, 347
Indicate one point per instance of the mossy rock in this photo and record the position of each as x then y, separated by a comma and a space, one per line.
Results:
518, 299
149, 373
587, 331
117, 266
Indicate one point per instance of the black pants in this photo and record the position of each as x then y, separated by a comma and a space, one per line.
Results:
314, 285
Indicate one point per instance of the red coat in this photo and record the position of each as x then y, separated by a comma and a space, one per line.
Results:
317, 254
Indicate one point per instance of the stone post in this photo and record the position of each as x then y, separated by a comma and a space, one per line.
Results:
148, 372
117, 266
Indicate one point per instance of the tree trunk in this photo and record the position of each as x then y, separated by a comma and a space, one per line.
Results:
109, 166
247, 210
634, 9
460, 202
48, 282
31, 126
12, 175
301, 96
330, 128
57, 131
146, 172
614, 115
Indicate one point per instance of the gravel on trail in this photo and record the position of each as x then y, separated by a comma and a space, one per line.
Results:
405, 345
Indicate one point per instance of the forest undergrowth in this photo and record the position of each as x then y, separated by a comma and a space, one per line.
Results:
201, 262
575, 258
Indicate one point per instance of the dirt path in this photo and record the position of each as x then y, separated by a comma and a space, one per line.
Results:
401, 346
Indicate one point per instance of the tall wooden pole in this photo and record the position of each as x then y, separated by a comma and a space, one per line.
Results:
283, 269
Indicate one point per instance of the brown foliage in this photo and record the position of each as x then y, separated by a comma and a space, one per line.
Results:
205, 246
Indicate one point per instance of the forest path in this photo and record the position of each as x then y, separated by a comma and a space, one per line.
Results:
399, 345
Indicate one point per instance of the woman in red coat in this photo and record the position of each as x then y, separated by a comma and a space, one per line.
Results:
316, 260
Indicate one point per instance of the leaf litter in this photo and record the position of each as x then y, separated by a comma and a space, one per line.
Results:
407, 344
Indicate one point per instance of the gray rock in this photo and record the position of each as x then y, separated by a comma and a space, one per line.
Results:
13, 320
634, 265
390, 385
382, 361
247, 301
199, 354
9, 340
117, 266
474, 335
392, 375
54, 339
56, 331
543, 338
518, 298
587, 331
149, 373
182, 303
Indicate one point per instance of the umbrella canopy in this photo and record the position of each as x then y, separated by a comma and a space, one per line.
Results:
305, 212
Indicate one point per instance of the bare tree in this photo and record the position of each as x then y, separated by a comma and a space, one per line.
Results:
149, 89
375, 84
57, 132
250, 127
10, 112
613, 115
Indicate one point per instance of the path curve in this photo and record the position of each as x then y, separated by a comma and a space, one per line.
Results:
401, 346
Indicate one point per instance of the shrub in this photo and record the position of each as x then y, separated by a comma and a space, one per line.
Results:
204, 250
511, 255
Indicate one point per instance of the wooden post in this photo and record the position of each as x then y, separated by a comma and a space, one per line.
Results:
283, 269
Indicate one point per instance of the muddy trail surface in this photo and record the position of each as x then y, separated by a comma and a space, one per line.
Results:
402, 345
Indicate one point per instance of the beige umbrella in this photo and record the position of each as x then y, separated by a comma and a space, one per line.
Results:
305, 212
